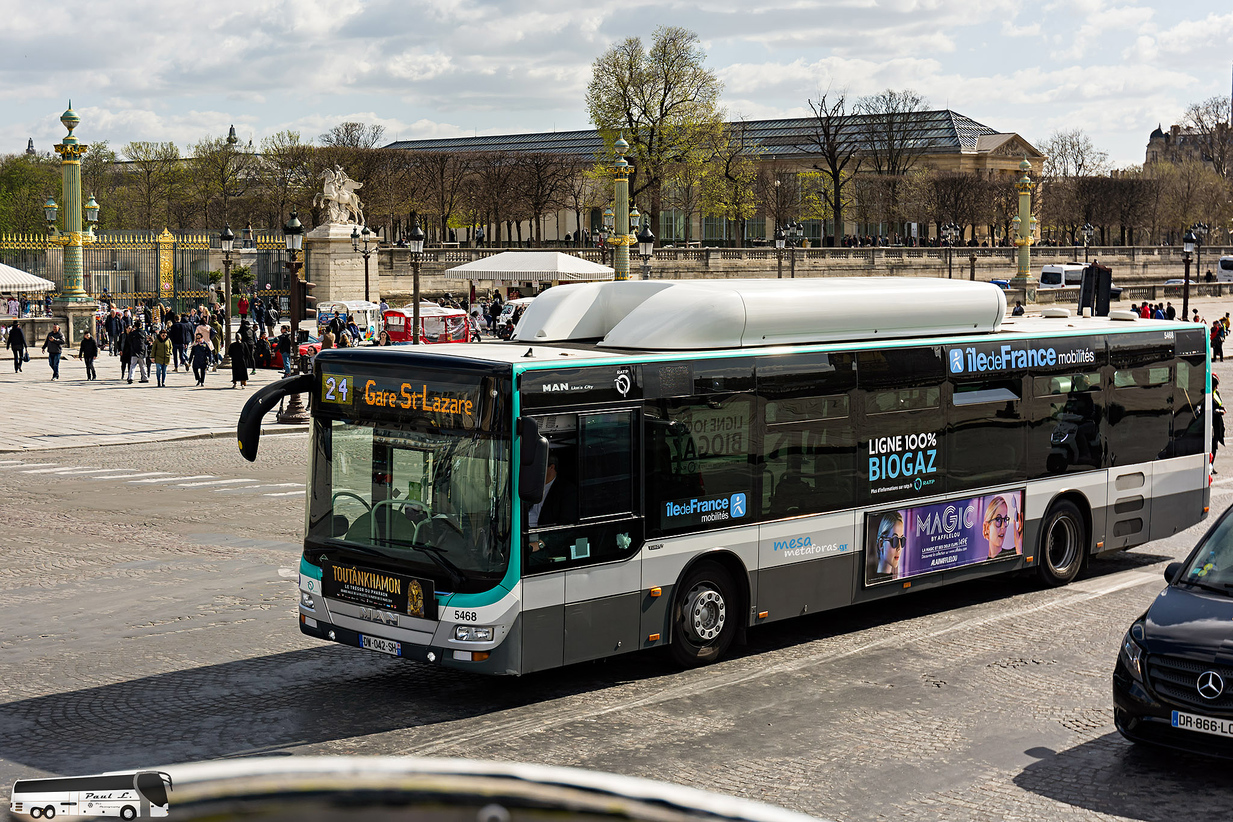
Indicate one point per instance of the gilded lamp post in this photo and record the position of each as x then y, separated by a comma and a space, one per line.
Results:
621, 239
1024, 228
73, 239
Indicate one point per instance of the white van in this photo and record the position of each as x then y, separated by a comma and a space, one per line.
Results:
1061, 275
1224, 270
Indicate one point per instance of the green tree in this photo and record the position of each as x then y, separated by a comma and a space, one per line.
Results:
664, 101
26, 181
729, 191
222, 173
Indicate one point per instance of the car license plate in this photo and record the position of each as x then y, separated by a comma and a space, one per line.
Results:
1203, 724
384, 646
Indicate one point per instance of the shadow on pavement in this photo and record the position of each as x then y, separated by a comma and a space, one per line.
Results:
262, 704
1112, 776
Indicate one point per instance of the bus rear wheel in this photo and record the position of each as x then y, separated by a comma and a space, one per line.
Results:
704, 616
49, 812
1063, 541
36, 813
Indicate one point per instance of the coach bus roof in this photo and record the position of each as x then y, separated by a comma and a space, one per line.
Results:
690, 315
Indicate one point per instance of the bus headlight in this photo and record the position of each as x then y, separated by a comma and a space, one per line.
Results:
306, 599
473, 633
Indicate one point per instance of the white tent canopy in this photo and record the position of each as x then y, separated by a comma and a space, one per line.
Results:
531, 266
14, 280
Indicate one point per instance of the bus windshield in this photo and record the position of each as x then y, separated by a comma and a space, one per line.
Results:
435, 502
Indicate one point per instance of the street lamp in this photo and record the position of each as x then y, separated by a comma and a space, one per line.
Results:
293, 234
1200, 230
1088, 232
356, 236
646, 247
779, 242
416, 241
227, 241
605, 231
73, 238
1188, 243
950, 231
794, 231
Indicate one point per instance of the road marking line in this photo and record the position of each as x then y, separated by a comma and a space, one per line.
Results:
114, 475
214, 482
255, 487
282, 436
285, 494
172, 479
69, 472
10, 462
36, 465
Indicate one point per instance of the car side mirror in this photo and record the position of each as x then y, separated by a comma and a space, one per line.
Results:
1172, 571
534, 465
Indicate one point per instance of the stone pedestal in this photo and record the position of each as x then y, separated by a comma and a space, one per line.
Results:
78, 319
335, 268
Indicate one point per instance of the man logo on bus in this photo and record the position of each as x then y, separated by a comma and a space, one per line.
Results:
956, 360
736, 507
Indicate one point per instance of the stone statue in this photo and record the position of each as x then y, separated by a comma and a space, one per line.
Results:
338, 197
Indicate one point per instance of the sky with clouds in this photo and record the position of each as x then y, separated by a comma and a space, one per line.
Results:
141, 70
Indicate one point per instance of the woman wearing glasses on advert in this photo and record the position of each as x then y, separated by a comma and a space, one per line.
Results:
888, 544
998, 518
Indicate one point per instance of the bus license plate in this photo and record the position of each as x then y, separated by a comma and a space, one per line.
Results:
384, 646
1203, 724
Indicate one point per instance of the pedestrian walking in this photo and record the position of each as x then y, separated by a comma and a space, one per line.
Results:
240, 360
88, 353
163, 348
17, 344
135, 350
1217, 336
53, 344
200, 356
243, 306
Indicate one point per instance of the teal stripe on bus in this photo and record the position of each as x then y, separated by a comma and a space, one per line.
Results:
309, 570
514, 571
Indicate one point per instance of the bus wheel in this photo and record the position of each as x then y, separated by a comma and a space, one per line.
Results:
704, 618
36, 813
128, 812
49, 812
1063, 539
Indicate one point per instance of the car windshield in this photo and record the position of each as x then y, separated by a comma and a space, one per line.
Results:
1212, 564
437, 502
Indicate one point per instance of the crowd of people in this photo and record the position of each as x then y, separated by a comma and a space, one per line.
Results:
150, 339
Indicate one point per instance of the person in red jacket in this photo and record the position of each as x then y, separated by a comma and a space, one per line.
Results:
243, 306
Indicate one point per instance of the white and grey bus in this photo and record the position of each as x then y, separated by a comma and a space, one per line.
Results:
655, 463
126, 795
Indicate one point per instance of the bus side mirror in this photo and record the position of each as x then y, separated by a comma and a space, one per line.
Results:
534, 467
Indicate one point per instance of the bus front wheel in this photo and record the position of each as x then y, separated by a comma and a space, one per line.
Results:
704, 616
128, 812
1063, 541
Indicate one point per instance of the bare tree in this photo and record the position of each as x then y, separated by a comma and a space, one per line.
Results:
581, 189
1211, 125
286, 169
222, 173
541, 179
446, 175
151, 169
729, 190
353, 135
834, 136
1073, 154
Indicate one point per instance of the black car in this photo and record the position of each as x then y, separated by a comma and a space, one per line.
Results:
1173, 682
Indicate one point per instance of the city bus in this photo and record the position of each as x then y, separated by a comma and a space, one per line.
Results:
670, 463
126, 795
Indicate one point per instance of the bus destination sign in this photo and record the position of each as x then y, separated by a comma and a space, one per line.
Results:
379, 589
441, 404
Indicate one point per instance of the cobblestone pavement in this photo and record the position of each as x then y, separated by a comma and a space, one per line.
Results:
159, 626
73, 412
147, 616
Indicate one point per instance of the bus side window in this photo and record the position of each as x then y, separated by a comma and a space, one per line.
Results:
698, 456
1189, 386
986, 436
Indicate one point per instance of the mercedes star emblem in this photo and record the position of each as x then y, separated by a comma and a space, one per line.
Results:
1210, 685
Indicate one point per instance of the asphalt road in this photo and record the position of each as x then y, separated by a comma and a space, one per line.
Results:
147, 598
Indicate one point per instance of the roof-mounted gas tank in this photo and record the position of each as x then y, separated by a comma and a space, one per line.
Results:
704, 314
